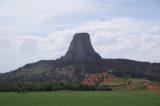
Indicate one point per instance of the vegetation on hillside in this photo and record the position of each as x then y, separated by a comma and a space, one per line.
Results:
24, 87
56, 71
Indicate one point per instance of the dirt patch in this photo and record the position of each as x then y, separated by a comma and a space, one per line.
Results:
153, 87
99, 77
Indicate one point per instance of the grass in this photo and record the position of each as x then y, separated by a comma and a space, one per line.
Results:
120, 84
119, 81
69, 98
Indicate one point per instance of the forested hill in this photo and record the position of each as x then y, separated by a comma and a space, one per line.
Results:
55, 71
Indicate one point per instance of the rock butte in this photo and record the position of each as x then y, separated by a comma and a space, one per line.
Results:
81, 48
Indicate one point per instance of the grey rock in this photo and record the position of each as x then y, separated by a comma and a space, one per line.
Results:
81, 48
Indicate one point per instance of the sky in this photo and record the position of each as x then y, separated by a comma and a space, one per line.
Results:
33, 30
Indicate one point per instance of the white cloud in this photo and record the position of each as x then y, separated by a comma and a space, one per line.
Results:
28, 16
114, 38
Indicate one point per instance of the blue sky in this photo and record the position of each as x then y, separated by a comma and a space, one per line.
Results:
32, 30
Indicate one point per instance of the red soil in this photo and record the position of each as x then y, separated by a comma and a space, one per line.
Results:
93, 78
153, 87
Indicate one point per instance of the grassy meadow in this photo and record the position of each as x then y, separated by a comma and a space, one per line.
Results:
75, 98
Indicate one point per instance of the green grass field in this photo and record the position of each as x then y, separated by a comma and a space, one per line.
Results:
67, 98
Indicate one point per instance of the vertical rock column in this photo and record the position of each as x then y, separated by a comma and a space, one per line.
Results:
81, 48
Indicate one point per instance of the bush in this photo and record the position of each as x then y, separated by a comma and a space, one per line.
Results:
23, 87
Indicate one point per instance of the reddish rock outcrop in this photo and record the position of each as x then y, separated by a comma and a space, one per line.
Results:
99, 77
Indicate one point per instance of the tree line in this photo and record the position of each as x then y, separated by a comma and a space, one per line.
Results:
24, 87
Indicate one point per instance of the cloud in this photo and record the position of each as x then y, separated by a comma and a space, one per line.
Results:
40, 17
121, 37
28, 16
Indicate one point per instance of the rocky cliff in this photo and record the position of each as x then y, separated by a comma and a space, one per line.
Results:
81, 48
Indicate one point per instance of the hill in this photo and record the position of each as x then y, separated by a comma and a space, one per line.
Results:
80, 61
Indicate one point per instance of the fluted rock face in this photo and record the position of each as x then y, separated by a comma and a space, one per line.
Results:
81, 48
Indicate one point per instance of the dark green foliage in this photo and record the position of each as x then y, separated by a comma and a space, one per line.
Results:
81, 87
21, 87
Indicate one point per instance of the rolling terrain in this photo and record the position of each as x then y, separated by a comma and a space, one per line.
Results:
83, 65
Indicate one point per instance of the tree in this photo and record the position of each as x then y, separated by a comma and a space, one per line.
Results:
20, 87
